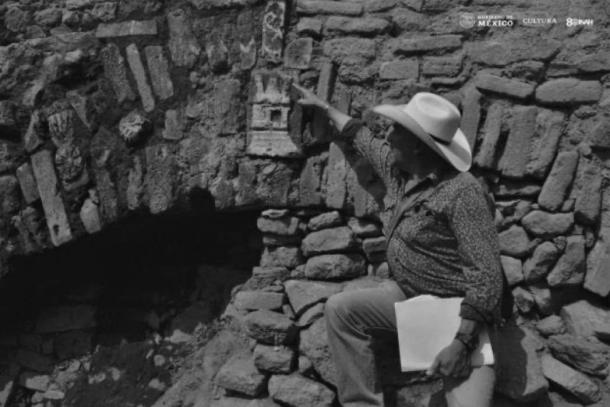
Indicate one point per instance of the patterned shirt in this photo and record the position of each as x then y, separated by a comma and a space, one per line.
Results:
446, 244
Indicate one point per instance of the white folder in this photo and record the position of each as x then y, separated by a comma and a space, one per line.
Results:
426, 324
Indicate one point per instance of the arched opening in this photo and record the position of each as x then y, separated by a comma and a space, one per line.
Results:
113, 313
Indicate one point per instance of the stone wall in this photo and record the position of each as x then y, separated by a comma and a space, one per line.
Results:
112, 108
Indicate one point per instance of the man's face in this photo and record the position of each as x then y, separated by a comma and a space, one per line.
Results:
404, 144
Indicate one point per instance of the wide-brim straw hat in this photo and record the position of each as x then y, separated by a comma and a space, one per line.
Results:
436, 122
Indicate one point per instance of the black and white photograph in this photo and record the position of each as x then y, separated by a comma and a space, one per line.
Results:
304, 203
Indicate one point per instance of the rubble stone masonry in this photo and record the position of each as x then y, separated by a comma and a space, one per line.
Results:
108, 108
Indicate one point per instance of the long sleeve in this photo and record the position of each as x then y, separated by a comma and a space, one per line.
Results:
478, 244
374, 150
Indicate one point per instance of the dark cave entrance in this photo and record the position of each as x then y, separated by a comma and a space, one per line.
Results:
119, 302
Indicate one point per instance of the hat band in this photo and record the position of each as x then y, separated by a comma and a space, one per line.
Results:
440, 140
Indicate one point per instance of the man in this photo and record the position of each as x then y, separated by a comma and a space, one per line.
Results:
441, 241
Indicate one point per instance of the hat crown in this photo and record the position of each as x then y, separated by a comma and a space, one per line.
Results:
435, 114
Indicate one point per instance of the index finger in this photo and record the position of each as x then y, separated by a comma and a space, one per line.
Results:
299, 88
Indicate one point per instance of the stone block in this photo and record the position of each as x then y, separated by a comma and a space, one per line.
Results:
159, 71
297, 54
137, 68
514, 242
270, 327
240, 375
399, 69
52, 202
504, 86
518, 365
539, 264
584, 318
314, 7
336, 182
309, 26
274, 359
428, 43
174, 124
339, 49
516, 189
407, 20
486, 155
48, 17
586, 355
335, 266
364, 228
90, 216
512, 270
356, 26
126, 28
543, 147
551, 325
379, 5
524, 300
32, 139
159, 178
304, 294
570, 268
25, 176
515, 157
442, 66
329, 240
597, 279
183, 46
281, 256
105, 11
114, 70
547, 224
34, 361
296, 390
513, 48
570, 380
34, 381
568, 91
287, 226
588, 201
374, 245
542, 297
265, 276
324, 221
313, 343
600, 135
255, 300
557, 184
273, 30
6, 388
310, 181
471, 116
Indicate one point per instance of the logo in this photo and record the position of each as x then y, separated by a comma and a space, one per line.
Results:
467, 20
573, 22
538, 20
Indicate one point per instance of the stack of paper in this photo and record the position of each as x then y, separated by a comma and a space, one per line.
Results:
426, 324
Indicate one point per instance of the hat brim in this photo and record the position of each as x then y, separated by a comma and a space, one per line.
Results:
457, 153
